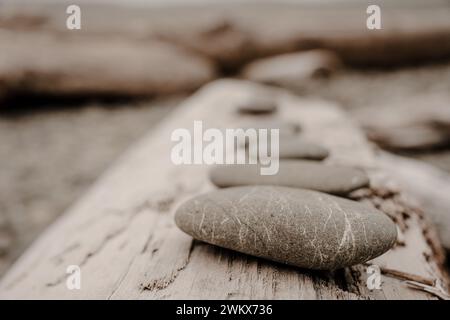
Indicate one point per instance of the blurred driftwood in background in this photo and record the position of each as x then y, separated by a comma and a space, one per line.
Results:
37, 51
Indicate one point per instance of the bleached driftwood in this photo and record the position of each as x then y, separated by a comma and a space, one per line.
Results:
123, 237
430, 187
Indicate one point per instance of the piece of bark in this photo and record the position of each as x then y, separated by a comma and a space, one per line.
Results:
123, 237
428, 185
73, 65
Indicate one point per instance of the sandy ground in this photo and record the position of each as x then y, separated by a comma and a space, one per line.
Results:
51, 156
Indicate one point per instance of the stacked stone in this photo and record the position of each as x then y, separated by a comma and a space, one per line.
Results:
300, 216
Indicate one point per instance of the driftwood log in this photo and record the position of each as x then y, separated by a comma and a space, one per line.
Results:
123, 237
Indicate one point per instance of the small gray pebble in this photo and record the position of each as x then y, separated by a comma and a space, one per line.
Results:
332, 179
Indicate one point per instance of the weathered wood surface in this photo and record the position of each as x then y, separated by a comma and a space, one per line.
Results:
431, 189
123, 236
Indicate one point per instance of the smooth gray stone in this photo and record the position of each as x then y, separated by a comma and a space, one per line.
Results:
287, 129
303, 228
294, 147
305, 174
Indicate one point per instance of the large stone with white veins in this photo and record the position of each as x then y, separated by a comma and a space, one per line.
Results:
303, 228
332, 179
